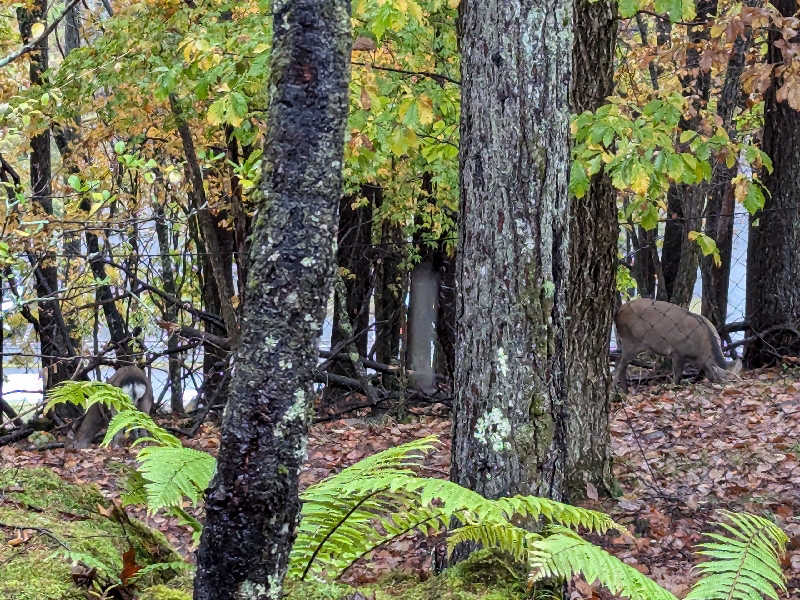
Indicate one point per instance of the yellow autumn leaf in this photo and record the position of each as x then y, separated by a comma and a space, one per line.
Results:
425, 109
37, 29
640, 181
188, 51
453, 3
415, 10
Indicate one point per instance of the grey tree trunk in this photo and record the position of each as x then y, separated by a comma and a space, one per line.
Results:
170, 309
510, 426
592, 272
773, 252
252, 504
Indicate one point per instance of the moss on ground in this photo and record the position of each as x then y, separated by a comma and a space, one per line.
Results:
68, 514
60, 516
483, 576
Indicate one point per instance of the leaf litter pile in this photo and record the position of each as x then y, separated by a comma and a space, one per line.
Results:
680, 453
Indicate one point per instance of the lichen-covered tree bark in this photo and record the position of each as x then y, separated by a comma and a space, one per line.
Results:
773, 252
252, 504
509, 421
592, 273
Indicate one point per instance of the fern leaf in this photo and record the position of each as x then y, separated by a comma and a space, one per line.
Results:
136, 419
87, 393
565, 554
172, 473
506, 537
558, 513
744, 565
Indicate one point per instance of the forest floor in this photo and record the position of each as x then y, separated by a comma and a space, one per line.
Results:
681, 453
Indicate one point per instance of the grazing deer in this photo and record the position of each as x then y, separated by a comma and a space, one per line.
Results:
670, 330
134, 382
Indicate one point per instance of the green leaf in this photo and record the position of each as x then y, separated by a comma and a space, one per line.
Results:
754, 200
119, 147
628, 8
74, 182
578, 181
649, 219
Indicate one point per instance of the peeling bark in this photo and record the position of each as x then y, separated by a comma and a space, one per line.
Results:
252, 504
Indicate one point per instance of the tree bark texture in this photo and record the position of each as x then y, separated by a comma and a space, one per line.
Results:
685, 203
56, 347
252, 504
354, 241
390, 288
721, 202
170, 310
773, 252
592, 273
509, 425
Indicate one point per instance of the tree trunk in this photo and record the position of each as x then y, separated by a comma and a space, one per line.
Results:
509, 412
353, 243
773, 251
390, 289
592, 272
445, 353
685, 203
170, 310
721, 202
57, 350
252, 504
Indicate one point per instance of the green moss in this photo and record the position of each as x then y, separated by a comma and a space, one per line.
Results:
162, 592
65, 514
483, 576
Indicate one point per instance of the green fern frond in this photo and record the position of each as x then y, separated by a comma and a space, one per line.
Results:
380, 498
558, 513
745, 565
506, 537
400, 460
87, 393
135, 419
565, 554
172, 473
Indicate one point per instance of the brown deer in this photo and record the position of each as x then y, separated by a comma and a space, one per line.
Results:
670, 330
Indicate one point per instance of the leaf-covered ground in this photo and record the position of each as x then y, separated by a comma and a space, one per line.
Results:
681, 452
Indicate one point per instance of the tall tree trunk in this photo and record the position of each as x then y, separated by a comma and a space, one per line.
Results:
509, 413
56, 346
390, 289
445, 353
685, 203
721, 202
592, 272
353, 243
170, 310
252, 504
773, 251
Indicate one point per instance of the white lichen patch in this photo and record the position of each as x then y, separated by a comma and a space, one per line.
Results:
252, 590
270, 343
502, 361
307, 261
295, 412
493, 429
